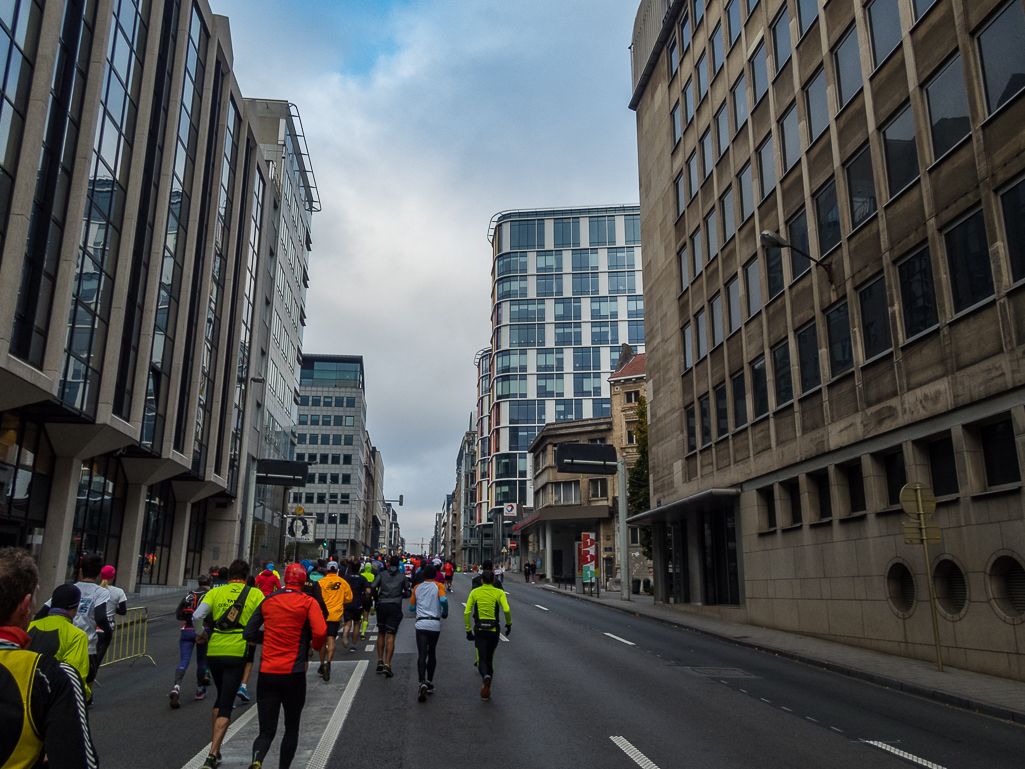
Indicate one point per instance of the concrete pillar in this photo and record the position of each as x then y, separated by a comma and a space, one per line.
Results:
131, 536
549, 553
659, 553
695, 533
60, 523
179, 543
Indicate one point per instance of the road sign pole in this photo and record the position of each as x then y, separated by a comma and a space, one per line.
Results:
624, 555
928, 577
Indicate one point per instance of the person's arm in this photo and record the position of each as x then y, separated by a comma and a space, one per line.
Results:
77, 656
253, 631
197, 619
508, 613
122, 606
444, 601
319, 595
412, 601
58, 709
102, 623
318, 627
468, 614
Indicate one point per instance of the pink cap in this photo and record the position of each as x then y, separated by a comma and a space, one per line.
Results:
107, 572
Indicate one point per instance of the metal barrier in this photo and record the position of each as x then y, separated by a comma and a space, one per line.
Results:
129, 641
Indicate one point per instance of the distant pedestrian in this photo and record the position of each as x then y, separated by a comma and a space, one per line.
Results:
431, 606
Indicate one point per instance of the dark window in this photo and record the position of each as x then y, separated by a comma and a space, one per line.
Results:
848, 68
794, 492
999, 453
674, 120
760, 388
711, 236
1013, 203
715, 305
818, 106
896, 476
753, 285
673, 57
729, 218
692, 436
707, 160
706, 420
861, 187
899, 148
808, 11
921, 6
971, 276
702, 76
695, 244
684, 259
884, 24
808, 357
856, 487
717, 50
828, 214
739, 103
722, 417
797, 234
692, 174
567, 233
825, 498
943, 467
781, 47
769, 497
789, 132
733, 305
838, 329
875, 321
781, 374
733, 14
774, 271
681, 200
1003, 56
688, 101
918, 299
702, 333
747, 193
948, 108
722, 130
766, 167
759, 73
739, 400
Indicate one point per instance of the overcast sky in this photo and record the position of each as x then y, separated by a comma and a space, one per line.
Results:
425, 118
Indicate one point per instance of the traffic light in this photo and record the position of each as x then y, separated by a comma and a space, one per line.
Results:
324, 544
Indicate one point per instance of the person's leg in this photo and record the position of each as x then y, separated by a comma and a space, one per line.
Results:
380, 645
432, 656
186, 643
231, 679
480, 643
422, 649
389, 648
202, 670
268, 705
293, 699
490, 657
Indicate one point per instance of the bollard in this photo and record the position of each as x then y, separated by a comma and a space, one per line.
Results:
130, 635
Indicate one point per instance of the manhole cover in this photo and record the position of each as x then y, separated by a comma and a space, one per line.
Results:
722, 672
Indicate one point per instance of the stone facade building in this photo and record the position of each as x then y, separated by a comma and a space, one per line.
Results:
792, 398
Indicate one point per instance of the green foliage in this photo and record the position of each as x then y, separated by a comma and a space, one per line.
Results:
638, 494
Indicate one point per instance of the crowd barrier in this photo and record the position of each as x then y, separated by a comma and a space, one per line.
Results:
129, 641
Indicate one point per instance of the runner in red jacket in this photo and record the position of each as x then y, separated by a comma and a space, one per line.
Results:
286, 623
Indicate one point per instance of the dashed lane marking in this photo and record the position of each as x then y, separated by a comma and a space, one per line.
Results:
334, 727
903, 754
502, 638
542, 608
371, 647
628, 643
639, 758
236, 724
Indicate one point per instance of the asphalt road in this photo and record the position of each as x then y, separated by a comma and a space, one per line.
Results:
575, 685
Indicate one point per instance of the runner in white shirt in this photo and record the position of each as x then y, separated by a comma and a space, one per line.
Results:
116, 604
431, 606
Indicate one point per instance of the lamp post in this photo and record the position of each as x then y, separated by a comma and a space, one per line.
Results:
772, 240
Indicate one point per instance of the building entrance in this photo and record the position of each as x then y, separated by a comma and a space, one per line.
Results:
677, 571
719, 557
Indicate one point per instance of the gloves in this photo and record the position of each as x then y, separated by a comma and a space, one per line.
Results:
469, 635
508, 630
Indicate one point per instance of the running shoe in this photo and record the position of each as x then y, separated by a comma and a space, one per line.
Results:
352, 649
256, 765
430, 688
243, 693
387, 671
320, 670
175, 694
207, 679
380, 666
422, 694
212, 762
200, 692
327, 672
485, 690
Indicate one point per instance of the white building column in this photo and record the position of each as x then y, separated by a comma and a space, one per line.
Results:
548, 552
179, 543
131, 536
60, 523
695, 572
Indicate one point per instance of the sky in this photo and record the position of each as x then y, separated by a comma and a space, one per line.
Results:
424, 118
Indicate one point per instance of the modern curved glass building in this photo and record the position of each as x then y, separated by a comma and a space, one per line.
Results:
566, 294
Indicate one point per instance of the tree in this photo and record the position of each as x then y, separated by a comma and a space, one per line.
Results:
638, 494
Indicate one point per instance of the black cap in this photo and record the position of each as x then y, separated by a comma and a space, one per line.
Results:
65, 597
488, 565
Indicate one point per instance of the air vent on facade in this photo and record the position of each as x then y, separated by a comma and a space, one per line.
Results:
900, 585
1007, 585
951, 587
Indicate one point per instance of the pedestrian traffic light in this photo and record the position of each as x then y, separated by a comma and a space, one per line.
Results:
324, 544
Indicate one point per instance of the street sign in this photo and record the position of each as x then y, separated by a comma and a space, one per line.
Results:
589, 458
916, 498
299, 510
588, 557
279, 472
300, 527
510, 509
913, 533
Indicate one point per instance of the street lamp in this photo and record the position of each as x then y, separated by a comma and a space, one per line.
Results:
772, 240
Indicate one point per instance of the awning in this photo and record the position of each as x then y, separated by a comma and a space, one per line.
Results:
566, 513
709, 499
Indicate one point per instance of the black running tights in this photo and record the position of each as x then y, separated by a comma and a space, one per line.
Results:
426, 643
273, 692
486, 642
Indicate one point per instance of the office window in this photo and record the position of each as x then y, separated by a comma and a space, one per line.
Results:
707, 159
971, 276
674, 119
604, 333
315, 419
685, 32
348, 440
701, 331
722, 416
586, 385
818, 106
794, 492
587, 359
705, 407
722, 130
634, 306
808, 11
999, 453
821, 481
350, 403
673, 57
729, 220
759, 388
790, 138
855, 486
632, 225
781, 373
827, 212
681, 201
747, 193
550, 386
1003, 56
751, 6
948, 108
336, 459
739, 400
884, 26
797, 235
601, 231
683, 260
838, 329
699, 11
635, 332
768, 495
808, 357
733, 304
304, 419
717, 328
875, 320
943, 467
774, 271
322, 498
717, 50
848, 68
900, 152
549, 285
315, 400
711, 236
692, 432
567, 234
759, 73
917, 295
896, 476
739, 103
1012, 203
606, 308
601, 407
309, 498
568, 334
585, 284
733, 16
702, 76
692, 175
766, 167
688, 347
688, 101
861, 187
695, 246
753, 285
336, 440
921, 6
568, 310
598, 488
781, 47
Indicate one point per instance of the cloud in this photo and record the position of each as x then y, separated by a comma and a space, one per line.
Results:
424, 119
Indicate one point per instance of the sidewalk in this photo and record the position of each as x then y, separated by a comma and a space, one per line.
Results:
997, 697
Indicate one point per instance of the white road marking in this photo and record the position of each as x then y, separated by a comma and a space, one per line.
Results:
542, 608
628, 643
371, 647
502, 638
788, 710
765, 700
812, 720
200, 757
903, 754
639, 758
334, 727
464, 603
834, 728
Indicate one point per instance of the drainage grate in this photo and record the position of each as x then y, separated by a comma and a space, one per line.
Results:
722, 672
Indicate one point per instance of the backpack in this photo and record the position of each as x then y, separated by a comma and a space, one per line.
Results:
187, 606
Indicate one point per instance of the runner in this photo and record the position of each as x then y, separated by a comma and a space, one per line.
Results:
368, 598
353, 612
286, 623
449, 570
116, 604
431, 606
390, 586
336, 594
187, 642
488, 565
56, 635
229, 608
482, 607
267, 580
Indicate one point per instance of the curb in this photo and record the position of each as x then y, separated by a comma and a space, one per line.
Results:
937, 695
